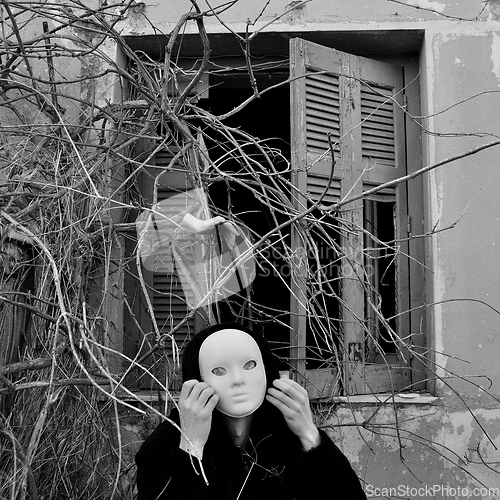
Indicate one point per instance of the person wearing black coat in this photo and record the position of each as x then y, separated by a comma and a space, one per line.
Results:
275, 452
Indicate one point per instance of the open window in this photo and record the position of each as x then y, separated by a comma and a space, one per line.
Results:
353, 108
341, 318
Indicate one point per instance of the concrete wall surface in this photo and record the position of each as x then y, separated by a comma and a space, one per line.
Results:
321, 12
461, 100
436, 447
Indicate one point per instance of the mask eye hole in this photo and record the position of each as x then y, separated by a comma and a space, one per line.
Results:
218, 371
250, 365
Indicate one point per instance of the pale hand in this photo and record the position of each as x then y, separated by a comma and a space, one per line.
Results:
207, 226
292, 400
196, 404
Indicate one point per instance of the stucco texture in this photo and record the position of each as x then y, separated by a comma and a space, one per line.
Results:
465, 93
317, 11
435, 445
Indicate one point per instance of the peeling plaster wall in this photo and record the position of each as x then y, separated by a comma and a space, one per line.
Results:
439, 443
444, 443
316, 11
465, 193
436, 446
66, 67
70, 67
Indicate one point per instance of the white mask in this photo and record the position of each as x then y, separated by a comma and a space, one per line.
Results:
231, 363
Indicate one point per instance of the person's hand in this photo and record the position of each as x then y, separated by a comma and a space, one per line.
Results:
292, 400
196, 404
207, 226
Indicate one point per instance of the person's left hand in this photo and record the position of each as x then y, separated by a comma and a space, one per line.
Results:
292, 400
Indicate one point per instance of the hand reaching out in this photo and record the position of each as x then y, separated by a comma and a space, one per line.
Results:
292, 400
226, 229
196, 403
207, 226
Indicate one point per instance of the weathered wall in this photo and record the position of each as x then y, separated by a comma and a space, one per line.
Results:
317, 13
433, 445
26, 112
440, 442
463, 65
445, 443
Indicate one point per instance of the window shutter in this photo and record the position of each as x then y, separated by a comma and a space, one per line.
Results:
316, 186
322, 114
357, 102
169, 302
316, 114
377, 126
383, 157
322, 110
163, 285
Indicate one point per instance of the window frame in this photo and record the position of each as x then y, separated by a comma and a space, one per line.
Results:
322, 383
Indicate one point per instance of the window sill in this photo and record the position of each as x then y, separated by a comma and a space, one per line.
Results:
365, 399
389, 399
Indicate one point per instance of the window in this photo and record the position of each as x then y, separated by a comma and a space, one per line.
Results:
355, 105
352, 300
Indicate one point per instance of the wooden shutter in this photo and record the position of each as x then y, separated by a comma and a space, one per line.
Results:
358, 103
169, 301
316, 112
163, 284
169, 296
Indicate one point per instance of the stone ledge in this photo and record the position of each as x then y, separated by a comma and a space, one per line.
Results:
377, 399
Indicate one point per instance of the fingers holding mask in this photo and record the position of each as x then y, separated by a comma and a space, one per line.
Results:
293, 402
288, 396
196, 404
197, 397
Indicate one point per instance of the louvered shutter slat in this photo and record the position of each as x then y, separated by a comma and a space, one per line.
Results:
316, 186
377, 125
169, 301
322, 113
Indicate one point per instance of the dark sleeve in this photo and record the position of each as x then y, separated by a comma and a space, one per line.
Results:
325, 472
165, 471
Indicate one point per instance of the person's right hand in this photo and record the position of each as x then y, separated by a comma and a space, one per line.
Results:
196, 403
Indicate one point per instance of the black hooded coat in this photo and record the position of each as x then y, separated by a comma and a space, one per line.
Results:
272, 464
